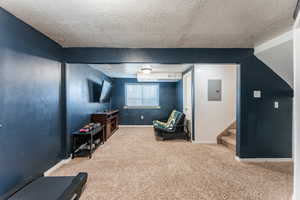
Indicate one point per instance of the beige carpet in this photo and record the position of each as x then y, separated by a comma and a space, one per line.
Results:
133, 165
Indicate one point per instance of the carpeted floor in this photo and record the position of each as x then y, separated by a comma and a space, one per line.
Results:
133, 165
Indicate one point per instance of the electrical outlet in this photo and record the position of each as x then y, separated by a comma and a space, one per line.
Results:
276, 104
142, 117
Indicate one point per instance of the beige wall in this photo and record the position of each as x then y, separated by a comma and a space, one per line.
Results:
212, 117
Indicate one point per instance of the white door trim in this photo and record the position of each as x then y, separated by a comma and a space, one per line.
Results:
188, 77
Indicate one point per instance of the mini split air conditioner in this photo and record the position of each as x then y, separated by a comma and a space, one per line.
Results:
159, 77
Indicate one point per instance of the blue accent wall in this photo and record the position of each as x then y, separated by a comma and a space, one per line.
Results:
79, 106
264, 131
179, 86
167, 100
30, 74
170, 56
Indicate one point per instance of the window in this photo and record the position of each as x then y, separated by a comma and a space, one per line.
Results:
141, 95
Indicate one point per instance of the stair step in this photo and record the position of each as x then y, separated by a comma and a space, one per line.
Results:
228, 142
232, 131
234, 126
233, 136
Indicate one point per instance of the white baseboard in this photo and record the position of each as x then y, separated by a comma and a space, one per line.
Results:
57, 166
135, 126
263, 159
294, 197
203, 142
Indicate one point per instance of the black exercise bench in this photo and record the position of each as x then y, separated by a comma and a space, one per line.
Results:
49, 188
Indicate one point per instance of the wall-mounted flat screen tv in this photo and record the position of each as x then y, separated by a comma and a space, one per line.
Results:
106, 92
94, 91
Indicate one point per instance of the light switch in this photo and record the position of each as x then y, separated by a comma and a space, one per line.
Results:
276, 104
257, 94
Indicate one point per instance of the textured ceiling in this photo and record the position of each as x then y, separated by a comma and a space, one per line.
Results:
156, 23
130, 70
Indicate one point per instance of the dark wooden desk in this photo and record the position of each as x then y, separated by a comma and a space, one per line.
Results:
87, 139
109, 119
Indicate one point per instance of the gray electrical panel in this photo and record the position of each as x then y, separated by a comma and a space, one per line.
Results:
214, 90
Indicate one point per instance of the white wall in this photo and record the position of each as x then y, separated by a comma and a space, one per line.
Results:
212, 117
296, 109
278, 55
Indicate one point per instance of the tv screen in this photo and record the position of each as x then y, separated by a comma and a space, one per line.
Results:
94, 91
106, 92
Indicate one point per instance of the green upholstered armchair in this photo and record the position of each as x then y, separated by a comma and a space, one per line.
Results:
172, 128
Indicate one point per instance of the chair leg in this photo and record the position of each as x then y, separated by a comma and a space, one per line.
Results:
162, 136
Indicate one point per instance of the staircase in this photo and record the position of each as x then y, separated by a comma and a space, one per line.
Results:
228, 137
